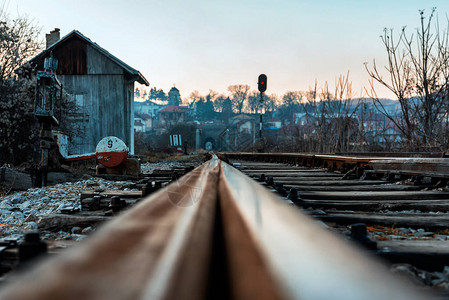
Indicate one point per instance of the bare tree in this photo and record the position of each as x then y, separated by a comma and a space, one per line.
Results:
314, 127
292, 98
218, 103
271, 102
211, 96
239, 95
290, 104
418, 75
18, 130
339, 109
18, 42
330, 123
253, 102
193, 98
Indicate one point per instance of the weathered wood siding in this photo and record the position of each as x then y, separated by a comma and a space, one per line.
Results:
130, 116
106, 97
98, 63
71, 57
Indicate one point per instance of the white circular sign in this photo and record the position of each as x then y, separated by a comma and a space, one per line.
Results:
111, 151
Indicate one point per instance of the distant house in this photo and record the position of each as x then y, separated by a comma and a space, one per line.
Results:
101, 85
300, 119
172, 114
139, 125
388, 135
377, 128
274, 123
244, 123
393, 135
143, 121
148, 107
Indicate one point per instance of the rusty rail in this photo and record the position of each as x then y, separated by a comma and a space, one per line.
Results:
213, 234
417, 164
331, 161
396, 154
431, 167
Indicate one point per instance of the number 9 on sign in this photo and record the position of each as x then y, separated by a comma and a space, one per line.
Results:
111, 151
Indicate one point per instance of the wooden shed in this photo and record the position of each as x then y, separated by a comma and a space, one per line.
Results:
101, 85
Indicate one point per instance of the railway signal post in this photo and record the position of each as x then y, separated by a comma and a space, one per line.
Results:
262, 87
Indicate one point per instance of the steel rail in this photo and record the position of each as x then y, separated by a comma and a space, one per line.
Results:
160, 249
214, 234
361, 156
413, 166
308, 159
281, 156
432, 167
305, 260
395, 154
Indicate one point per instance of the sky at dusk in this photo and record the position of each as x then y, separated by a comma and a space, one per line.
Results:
208, 44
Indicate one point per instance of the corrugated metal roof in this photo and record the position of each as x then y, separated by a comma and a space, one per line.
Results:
133, 72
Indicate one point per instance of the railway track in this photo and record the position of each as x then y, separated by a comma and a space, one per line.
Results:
215, 233
402, 203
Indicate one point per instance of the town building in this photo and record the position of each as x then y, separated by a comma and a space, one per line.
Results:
172, 114
174, 97
148, 107
143, 122
101, 86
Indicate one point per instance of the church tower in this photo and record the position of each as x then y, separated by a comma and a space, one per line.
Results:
174, 98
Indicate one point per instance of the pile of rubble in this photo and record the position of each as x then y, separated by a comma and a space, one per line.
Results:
21, 211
